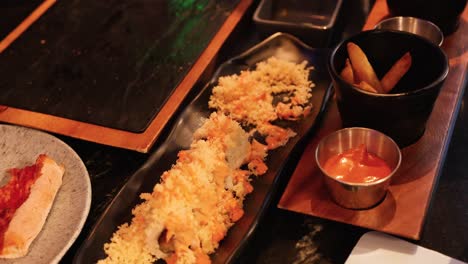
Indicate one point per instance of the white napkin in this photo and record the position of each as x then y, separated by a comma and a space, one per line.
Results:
375, 247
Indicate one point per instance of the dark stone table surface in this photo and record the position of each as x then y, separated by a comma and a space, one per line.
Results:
287, 237
112, 63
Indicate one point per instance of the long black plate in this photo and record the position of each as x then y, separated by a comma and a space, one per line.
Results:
119, 211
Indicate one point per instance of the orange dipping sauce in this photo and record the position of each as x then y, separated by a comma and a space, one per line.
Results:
356, 165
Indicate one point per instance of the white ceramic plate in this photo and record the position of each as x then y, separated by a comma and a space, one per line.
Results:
20, 147
375, 247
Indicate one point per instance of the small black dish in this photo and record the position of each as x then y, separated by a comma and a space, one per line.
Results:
403, 113
311, 21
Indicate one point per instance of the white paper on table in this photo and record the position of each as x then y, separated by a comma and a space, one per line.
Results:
376, 247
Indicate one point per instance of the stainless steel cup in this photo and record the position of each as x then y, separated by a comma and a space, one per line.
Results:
417, 26
358, 195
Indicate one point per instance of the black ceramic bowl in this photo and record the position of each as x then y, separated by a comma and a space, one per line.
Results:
401, 114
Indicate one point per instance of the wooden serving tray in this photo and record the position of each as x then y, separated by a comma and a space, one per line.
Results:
403, 211
103, 130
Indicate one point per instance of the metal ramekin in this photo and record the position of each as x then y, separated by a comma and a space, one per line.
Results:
358, 195
421, 27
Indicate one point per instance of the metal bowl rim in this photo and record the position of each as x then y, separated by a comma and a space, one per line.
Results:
402, 18
397, 166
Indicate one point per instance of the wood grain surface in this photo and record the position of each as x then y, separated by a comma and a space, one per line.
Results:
403, 211
141, 142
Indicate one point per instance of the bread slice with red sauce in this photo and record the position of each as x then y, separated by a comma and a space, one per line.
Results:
29, 218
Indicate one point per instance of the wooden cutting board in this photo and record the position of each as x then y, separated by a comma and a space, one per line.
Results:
404, 208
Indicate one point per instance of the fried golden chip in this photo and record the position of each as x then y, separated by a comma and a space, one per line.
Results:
366, 87
363, 70
347, 73
398, 70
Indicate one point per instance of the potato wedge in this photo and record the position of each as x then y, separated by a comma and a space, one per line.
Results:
366, 87
398, 70
347, 73
363, 70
